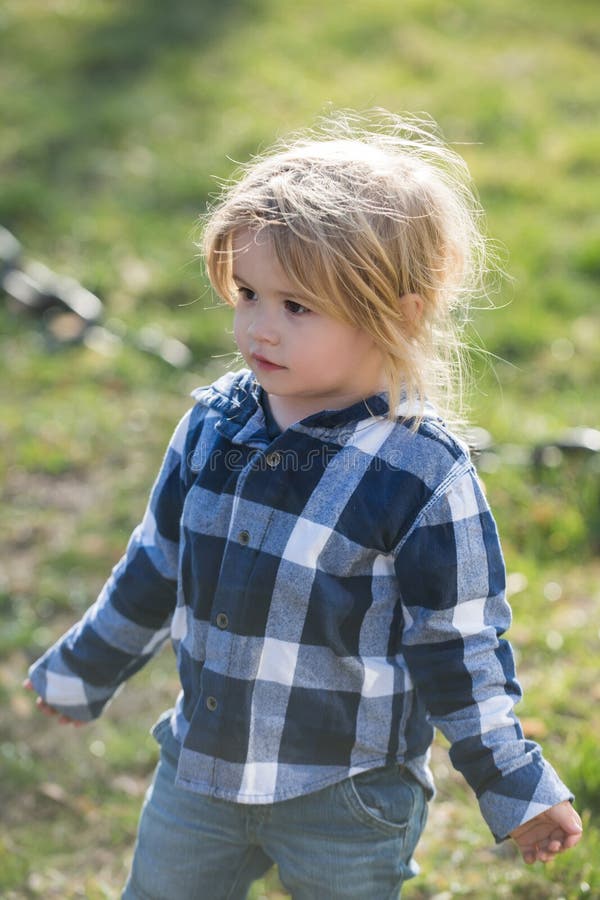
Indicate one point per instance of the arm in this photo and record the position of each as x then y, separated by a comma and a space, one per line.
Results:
130, 620
451, 577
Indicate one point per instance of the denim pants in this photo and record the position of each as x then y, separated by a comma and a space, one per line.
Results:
350, 841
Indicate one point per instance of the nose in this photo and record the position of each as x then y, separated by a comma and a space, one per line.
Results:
262, 327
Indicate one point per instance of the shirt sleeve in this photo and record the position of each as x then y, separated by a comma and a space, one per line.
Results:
452, 583
130, 620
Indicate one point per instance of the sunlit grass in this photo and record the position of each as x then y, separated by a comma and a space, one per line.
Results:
116, 121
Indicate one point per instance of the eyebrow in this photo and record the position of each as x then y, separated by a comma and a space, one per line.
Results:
289, 294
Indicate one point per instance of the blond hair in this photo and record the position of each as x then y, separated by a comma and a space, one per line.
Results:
361, 211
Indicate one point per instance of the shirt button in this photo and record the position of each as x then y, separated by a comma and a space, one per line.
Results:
273, 459
244, 536
211, 703
222, 621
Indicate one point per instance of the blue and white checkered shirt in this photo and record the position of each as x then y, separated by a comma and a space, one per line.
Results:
331, 594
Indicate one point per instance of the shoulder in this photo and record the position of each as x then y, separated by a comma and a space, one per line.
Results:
405, 469
447, 495
223, 397
220, 408
227, 391
431, 452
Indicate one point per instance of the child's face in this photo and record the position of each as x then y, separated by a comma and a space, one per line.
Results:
305, 360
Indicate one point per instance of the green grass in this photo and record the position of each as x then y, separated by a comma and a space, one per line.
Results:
116, 121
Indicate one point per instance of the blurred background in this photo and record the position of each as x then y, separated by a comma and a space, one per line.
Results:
116, 123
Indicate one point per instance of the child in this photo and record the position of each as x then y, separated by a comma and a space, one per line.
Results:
318, 547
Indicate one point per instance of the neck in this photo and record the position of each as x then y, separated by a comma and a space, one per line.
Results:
288, 410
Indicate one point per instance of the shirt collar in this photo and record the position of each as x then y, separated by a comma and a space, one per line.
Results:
237, 396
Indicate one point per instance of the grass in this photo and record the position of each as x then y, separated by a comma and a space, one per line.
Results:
116, 121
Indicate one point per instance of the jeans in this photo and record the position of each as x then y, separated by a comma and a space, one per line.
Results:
350, 841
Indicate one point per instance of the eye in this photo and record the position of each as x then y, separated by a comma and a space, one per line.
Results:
245, 294
295, 308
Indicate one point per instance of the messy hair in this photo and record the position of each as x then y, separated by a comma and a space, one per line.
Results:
361, 211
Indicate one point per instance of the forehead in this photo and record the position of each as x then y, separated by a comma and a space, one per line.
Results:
245, 240
253, 256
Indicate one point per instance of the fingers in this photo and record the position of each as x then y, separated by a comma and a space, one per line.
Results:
555, 830
547, 850
539, 854
50, 711
572, 839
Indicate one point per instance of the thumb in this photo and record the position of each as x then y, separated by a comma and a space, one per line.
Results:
566, 818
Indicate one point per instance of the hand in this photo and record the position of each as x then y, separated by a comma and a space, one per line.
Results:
49, 710
543, 837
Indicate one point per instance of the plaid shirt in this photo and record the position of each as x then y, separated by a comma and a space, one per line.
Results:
331, 595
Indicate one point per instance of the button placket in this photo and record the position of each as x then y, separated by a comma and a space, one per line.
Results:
222, 620
273, 459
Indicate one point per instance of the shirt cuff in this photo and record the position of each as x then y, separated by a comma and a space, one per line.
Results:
68, 694
521, 795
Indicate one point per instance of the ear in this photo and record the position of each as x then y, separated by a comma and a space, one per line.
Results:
412, 307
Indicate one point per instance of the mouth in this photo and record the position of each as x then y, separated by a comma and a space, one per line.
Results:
262, 363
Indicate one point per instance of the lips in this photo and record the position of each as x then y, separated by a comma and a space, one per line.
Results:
262, 363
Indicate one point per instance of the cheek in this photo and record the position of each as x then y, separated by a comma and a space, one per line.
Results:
239, 330
312, 349
352, 347
365, 348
